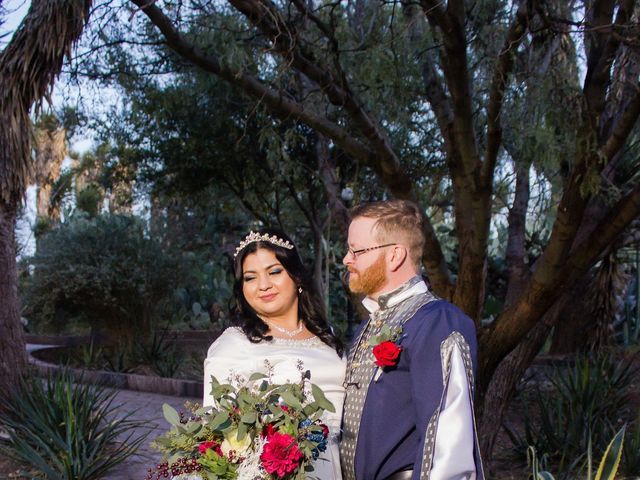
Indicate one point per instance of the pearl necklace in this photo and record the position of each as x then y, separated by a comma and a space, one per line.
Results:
288, 333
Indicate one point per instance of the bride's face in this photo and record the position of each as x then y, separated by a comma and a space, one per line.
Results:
267, 286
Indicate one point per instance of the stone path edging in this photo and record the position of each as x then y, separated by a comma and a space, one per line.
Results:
127, 381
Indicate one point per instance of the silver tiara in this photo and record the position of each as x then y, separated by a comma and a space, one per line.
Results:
256, 237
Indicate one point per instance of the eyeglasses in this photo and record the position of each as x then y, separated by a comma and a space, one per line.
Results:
361, 251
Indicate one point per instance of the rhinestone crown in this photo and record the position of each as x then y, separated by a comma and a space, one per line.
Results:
256, 237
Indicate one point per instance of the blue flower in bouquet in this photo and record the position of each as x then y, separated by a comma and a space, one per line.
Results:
315, 436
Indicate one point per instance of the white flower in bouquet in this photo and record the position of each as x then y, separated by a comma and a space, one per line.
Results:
232, 444
251, 467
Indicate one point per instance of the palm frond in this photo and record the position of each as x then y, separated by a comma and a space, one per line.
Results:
29, 66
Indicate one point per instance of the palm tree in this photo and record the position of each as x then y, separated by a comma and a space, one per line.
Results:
29, 65
50, 151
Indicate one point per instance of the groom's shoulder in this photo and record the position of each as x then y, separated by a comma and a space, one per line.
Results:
440, 317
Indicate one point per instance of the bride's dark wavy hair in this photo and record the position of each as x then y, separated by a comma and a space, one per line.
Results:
310, 307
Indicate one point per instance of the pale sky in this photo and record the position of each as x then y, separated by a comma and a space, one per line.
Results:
16, 10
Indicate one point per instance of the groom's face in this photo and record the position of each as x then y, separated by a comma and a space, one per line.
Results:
368, 269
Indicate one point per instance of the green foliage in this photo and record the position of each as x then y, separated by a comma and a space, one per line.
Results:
607, 468
118, 362
160, 353
88, 200
91, 356
42, 226
204, 300
580, 412
106, 269
66, 430
630, 465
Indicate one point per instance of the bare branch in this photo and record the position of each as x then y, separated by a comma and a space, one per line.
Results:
506, 332
504, 65
623, 128
278, 102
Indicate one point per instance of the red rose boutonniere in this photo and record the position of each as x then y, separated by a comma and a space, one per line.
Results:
385, 347
387, 353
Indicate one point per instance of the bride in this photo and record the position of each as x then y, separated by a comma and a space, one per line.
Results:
281, 321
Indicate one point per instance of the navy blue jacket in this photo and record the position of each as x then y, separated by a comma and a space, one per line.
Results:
400, 404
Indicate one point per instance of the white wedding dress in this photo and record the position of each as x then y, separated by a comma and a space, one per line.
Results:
233, 354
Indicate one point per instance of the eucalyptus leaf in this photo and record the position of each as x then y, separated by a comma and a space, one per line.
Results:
249, 417
193, 427
321, 399
291, 400
242, 431
171, 415
257, 376
218, 420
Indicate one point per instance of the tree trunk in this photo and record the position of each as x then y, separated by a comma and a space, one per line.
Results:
13, 358
493, 405
513, 367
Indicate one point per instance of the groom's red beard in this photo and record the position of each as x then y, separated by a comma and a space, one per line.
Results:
368, 281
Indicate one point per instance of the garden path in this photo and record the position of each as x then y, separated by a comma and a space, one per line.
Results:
148, 408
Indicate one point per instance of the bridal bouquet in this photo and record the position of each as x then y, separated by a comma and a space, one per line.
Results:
255, 431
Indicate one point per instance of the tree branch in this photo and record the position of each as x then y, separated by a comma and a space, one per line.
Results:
267, 18
278, 102
503, 68
516, 266
516, 321
601, 47
623, 128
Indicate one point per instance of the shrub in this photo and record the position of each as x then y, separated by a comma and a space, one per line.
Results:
607, 469
104, 269
579, 413
631, 455
160, 353
66, 431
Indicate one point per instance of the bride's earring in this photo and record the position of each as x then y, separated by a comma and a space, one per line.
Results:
299, 289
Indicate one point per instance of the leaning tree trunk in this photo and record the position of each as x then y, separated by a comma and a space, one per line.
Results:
29, 65
506, 377
578, 298
12, 353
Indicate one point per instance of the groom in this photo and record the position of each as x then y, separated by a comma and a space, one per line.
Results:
408, 412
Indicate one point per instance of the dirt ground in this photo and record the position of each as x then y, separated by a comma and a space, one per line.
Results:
7, 468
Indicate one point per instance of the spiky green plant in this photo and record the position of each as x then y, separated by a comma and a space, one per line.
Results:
631, 456
607, 469
580, 412
66, 430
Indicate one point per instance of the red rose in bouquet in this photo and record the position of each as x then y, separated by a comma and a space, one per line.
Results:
268, 430
281, 454
387, 354
204, 446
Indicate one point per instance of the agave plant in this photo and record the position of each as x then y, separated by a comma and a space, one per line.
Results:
66, 430
580, 412
607, 468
